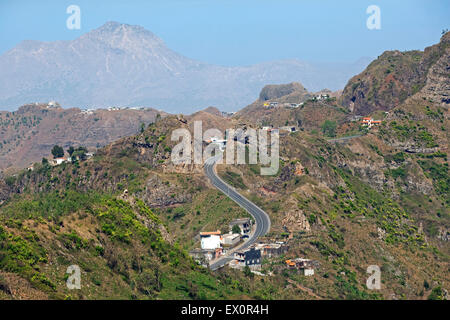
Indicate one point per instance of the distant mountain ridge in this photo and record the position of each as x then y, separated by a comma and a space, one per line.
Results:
120, 64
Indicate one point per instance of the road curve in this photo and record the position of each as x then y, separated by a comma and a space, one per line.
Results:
262, 220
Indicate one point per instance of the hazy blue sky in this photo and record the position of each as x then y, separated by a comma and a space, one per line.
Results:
241, 32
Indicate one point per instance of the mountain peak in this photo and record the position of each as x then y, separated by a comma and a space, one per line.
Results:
113, 26
131, 38
115, 29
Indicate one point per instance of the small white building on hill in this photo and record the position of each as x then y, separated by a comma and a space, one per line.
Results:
210, 240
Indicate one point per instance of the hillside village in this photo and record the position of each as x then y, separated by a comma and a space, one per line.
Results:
361, 182
214, 244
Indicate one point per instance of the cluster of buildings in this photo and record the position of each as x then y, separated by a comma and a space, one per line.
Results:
214, 244
252, 257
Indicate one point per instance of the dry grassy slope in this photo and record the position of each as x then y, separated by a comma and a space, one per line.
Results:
357, 197
394, 76
379, 199
29, 133
121, 249
56, 216
211, 118
346, 195
141, 153
333, 200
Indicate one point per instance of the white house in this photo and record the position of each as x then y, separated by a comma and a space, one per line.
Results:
210, 240
57, 161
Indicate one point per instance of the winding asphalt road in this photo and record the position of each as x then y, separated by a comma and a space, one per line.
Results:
262, 220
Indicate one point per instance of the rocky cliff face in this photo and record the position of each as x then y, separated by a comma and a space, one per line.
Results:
270, 92
437, 86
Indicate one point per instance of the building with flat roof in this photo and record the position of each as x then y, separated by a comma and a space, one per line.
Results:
210, 240
231, 239
244, 224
